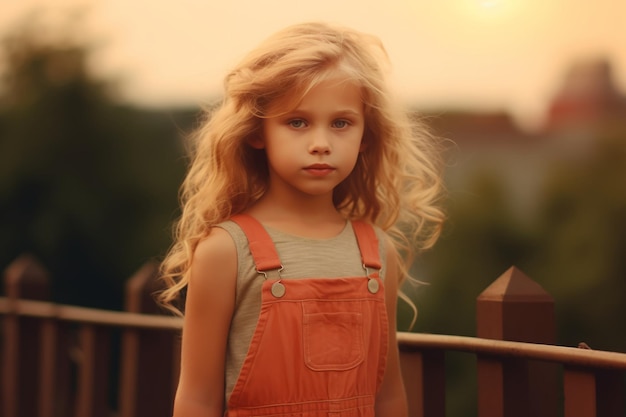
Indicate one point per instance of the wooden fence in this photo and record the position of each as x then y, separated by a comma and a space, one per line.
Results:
61, 361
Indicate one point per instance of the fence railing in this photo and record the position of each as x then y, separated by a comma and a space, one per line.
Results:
62, 360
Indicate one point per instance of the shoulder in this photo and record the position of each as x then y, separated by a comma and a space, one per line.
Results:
384, 240
386, 245
215, 256
218, 243
237, 235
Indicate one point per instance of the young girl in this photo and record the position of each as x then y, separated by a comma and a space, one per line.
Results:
305, 185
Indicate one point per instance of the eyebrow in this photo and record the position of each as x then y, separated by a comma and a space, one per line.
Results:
347, 111
350, 111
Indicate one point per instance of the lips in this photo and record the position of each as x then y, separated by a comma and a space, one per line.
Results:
319, 169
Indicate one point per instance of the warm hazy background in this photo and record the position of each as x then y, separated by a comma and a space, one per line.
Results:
490, 54
96, 98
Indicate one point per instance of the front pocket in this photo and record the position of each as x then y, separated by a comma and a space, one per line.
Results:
333, 341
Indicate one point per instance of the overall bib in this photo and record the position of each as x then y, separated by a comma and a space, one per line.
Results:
320, 345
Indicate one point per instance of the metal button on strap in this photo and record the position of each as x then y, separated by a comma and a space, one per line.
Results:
372, 285
278, 289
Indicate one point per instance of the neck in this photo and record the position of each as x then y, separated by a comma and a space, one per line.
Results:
312, 217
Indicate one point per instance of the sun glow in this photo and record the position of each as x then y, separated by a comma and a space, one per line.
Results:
489, 4
492, 8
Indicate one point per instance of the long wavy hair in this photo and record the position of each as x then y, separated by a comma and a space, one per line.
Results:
396, 183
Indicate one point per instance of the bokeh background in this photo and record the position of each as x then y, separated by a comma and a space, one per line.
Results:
528, 98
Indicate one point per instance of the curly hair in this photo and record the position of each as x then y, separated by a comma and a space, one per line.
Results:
396, 183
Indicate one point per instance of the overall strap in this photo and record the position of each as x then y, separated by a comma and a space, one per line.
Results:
260, 243
368, 244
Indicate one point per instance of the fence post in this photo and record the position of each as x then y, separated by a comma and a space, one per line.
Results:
516, 308
24, 278
148, 356
424, 381
93, 373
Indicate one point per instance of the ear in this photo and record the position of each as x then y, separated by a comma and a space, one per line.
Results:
256, 142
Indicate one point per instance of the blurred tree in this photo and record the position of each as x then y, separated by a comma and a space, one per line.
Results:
574, 245
481, 239
87, 184
583, 244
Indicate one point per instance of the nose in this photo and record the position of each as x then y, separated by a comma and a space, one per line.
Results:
320, 143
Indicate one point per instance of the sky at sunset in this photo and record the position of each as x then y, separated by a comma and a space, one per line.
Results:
466, 54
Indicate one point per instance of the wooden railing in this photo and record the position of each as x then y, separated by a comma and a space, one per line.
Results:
64, 361
593, 381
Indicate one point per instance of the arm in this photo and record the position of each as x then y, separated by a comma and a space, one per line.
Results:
208, 310
391, 399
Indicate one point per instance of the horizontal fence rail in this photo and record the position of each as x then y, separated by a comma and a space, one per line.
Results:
48, 310
507, 349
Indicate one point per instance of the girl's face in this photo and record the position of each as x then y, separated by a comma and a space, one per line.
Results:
314, 147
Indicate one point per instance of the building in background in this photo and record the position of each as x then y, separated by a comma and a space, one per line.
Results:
587, 106
588, 97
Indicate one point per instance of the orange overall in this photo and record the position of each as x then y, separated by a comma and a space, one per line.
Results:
320, 345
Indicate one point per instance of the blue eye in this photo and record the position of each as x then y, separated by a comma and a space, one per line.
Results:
340, 124
296, 123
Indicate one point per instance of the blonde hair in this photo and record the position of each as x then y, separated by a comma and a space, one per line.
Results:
395, 184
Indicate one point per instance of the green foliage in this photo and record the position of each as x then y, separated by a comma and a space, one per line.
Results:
583, 243
86, 184
573, 244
